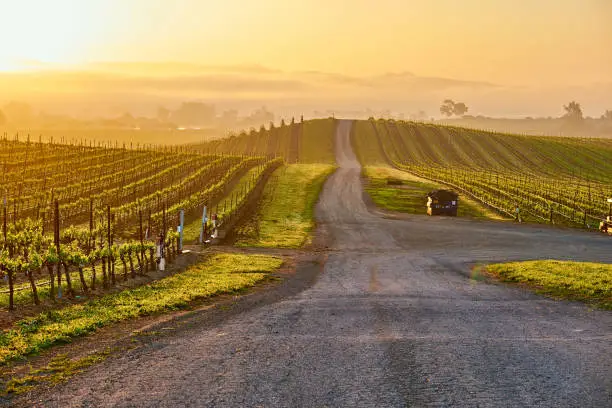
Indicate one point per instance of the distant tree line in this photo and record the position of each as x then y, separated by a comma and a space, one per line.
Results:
573, 111
188, 115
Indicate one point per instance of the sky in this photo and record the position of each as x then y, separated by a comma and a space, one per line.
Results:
519, 43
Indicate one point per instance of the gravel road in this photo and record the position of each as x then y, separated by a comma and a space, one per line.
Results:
395, 319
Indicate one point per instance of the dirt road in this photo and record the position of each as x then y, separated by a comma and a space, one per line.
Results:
395, 319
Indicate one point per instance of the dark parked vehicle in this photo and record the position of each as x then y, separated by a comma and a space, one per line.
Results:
442, 202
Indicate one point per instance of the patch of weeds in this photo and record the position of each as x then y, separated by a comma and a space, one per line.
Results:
478, 273
59, 369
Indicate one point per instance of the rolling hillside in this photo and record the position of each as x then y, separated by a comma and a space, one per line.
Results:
310, 141
551, 179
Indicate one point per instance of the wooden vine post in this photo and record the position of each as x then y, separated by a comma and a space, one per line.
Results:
9, 272
149, 223
110, 245
551, 213
56, 241
162, 241
4, 220
141, 238
91, 224
204, 226
182, 225
30, 276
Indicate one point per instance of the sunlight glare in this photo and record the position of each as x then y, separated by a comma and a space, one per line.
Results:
47, 32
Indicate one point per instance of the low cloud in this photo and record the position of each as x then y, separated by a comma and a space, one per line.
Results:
137, 85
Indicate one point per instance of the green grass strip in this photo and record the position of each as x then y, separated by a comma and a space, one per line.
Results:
582, 281
286, 217
59, 369
222, 273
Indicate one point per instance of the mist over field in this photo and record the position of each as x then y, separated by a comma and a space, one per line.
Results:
113, 88
69, 98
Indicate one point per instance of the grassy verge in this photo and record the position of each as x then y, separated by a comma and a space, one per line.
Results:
582, 281
59, 369
285, 219
396, 190
222, 273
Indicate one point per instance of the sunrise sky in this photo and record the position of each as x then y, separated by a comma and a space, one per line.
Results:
564, 45
519, 41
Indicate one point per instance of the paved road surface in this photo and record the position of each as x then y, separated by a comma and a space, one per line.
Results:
394, 320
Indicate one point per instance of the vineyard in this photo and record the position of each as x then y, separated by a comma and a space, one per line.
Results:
82, 217
79, 217
564, 181
304, 142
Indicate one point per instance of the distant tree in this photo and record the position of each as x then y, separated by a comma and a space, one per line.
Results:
163, 114
229, 118
259, 116
302, 119
420, 115
271, 125
607, 122
450, 108
19, 112
573, 111
282, 123
194, 114
447, 107
127, 120
262, 129
460, 109
293, 120
2, 118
